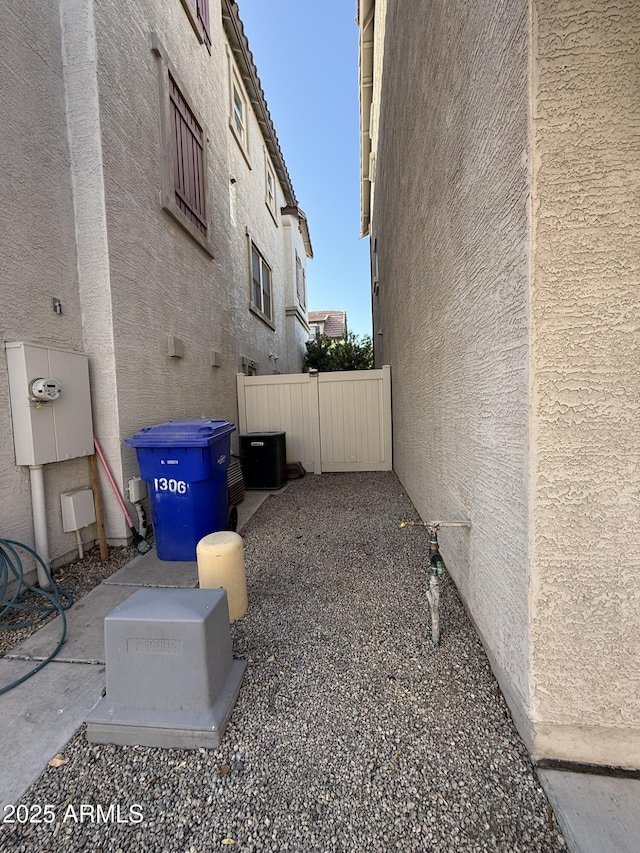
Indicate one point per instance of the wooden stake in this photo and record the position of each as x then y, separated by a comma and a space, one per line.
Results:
97, 500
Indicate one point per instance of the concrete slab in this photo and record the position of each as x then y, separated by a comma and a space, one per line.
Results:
40, 716
85, 629
253, 500
597, 814
148, 570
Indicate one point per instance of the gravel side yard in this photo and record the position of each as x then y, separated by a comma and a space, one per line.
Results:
351, 732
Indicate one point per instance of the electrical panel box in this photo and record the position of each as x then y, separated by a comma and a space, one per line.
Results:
50, 403
78, 509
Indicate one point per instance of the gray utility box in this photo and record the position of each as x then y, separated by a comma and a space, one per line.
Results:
171, 677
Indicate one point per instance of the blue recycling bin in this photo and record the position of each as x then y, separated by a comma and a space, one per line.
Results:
185, 466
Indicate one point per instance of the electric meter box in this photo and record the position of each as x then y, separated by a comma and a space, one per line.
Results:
50, 403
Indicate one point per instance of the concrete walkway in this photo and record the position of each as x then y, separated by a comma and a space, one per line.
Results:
598, 814
43, 713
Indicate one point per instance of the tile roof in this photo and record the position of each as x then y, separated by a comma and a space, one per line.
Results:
335, 322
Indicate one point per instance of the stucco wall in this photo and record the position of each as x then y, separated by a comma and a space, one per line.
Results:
83, 165
162, 282
585, 538
37, 242
451, 316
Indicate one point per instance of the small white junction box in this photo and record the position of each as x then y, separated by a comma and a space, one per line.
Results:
78, 509
137, 490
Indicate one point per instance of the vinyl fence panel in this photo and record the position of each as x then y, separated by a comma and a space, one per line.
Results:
334, 421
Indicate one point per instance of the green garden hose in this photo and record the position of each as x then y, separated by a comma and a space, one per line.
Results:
16, 612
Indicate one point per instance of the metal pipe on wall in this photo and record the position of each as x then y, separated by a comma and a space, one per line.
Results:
36, 475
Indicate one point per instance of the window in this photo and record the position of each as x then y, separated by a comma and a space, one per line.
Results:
188, 159
238, 114
203, 16
301, 282
198, 14
239, 108
260, 284
270, 184
184, 149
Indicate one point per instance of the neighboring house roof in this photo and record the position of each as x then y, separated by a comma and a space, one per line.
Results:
334, 322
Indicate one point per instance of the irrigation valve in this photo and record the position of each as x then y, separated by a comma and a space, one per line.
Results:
45, 390
437, 566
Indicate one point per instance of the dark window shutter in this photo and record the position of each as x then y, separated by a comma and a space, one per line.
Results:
188, 160
203, 15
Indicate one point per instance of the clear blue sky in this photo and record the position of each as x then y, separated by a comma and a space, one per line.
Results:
306, 54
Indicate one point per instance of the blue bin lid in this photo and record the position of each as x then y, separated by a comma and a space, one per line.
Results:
195, 433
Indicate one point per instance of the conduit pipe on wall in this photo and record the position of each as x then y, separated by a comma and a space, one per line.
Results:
36, 475
80, 545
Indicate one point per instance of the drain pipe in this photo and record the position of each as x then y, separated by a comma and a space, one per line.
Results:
437, 566
36, 475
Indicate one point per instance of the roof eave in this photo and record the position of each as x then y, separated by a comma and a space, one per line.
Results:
234, 30
294, 210
366, 9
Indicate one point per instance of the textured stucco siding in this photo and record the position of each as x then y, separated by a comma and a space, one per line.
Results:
37, 242
83, 169
253, 221
162, 282
379, 25
585, 538
451, 316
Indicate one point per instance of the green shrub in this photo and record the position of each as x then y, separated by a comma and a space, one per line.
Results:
326, 354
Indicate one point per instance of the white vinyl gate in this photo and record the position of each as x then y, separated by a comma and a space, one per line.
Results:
333, 421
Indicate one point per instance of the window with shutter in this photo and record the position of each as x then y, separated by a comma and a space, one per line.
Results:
198, 14
301, 285
183, 167
188, 159
203, 17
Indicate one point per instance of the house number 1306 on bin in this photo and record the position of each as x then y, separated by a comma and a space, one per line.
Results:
176, 487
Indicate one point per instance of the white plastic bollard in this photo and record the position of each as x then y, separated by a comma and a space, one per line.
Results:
221, 564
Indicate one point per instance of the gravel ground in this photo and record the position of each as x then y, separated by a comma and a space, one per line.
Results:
76, 578
351, 731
